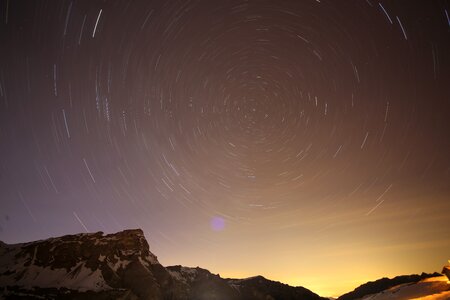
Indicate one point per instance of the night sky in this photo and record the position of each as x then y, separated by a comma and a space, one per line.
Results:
307, 141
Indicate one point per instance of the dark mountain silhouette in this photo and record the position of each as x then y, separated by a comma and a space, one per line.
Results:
261, 288
204, 285
119, 266
380, 285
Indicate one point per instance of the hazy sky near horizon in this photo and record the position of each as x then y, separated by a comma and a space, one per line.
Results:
306, 141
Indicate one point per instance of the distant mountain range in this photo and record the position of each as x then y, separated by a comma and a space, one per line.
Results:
121, 266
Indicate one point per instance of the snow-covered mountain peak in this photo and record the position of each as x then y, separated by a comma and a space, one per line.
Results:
87, 261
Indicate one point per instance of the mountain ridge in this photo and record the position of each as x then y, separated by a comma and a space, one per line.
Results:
118, 266
121, 266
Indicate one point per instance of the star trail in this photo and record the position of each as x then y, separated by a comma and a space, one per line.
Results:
293, 139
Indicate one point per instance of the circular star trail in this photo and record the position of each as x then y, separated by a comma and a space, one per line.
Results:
229, 127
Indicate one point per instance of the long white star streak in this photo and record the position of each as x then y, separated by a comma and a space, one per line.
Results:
96, 23
386, 13
88, 169
401, 26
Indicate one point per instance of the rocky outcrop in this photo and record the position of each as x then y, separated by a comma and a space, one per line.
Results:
203, 285
446, 271
118, 263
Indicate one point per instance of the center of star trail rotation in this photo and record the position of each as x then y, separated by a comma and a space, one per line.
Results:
303, 131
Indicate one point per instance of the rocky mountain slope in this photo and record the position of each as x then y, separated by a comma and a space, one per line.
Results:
118, 266
115, 264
